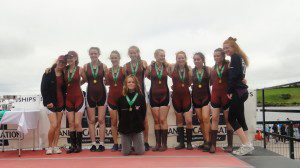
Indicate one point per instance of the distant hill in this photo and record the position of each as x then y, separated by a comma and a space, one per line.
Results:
280, 97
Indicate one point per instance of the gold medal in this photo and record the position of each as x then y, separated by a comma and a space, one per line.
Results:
182, 85
115, 84
130, 109
220, 81
159, 82
69, 84
95, 81
200, 86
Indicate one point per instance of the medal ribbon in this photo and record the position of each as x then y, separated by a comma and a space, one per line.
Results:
220, 72
159, 73
199, 76
94, 72
182, 77
134, 71
130, 102
70, 76
117, 74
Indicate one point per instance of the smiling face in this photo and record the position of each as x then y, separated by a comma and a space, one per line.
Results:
94, 54
115, 59
181, 59
133, 54
218, 57
160, 57
198, 60
130, 84
228, 49
61, 64
71, 60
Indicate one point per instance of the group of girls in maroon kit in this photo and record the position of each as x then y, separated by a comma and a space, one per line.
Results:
221, 87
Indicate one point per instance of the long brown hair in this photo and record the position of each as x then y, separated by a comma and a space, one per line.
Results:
54, 64
73, 53
137, 85
186, 67
201, 55
232, 42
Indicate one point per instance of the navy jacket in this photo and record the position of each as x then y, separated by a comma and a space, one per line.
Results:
131, 121
236, 73
48, 88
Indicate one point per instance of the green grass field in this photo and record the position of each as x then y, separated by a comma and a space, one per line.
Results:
276, 97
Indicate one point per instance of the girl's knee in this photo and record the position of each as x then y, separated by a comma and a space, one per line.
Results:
77, 125
156, 121
188, 121
53, 125
71, 124
162, 121
114, 123
215, 120
206, 119
57, 127
92, 121
101, 121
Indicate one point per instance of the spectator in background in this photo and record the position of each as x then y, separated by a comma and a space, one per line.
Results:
268, 130
258, 135
283, 132
296, 130
279, 125
275, 131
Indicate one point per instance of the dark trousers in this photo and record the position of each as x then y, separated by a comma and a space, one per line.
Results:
236, 115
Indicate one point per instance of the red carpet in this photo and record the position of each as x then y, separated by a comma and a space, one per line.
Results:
87, 159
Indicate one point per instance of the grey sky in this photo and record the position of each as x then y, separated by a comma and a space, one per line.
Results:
34, 32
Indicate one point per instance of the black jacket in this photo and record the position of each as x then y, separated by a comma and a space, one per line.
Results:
48, 88
131, 121
236, 73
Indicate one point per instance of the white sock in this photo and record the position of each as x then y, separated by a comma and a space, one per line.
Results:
101, 143
94, 143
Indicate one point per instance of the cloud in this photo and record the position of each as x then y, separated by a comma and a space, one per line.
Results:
14, 48
33, 33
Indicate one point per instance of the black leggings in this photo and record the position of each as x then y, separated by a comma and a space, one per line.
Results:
236, 115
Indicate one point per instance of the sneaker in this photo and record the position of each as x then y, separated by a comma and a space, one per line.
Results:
244, 150
56, 150
115, 148
93, 148
120, 147
147, 146
238, 151
49, 151
101, 148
